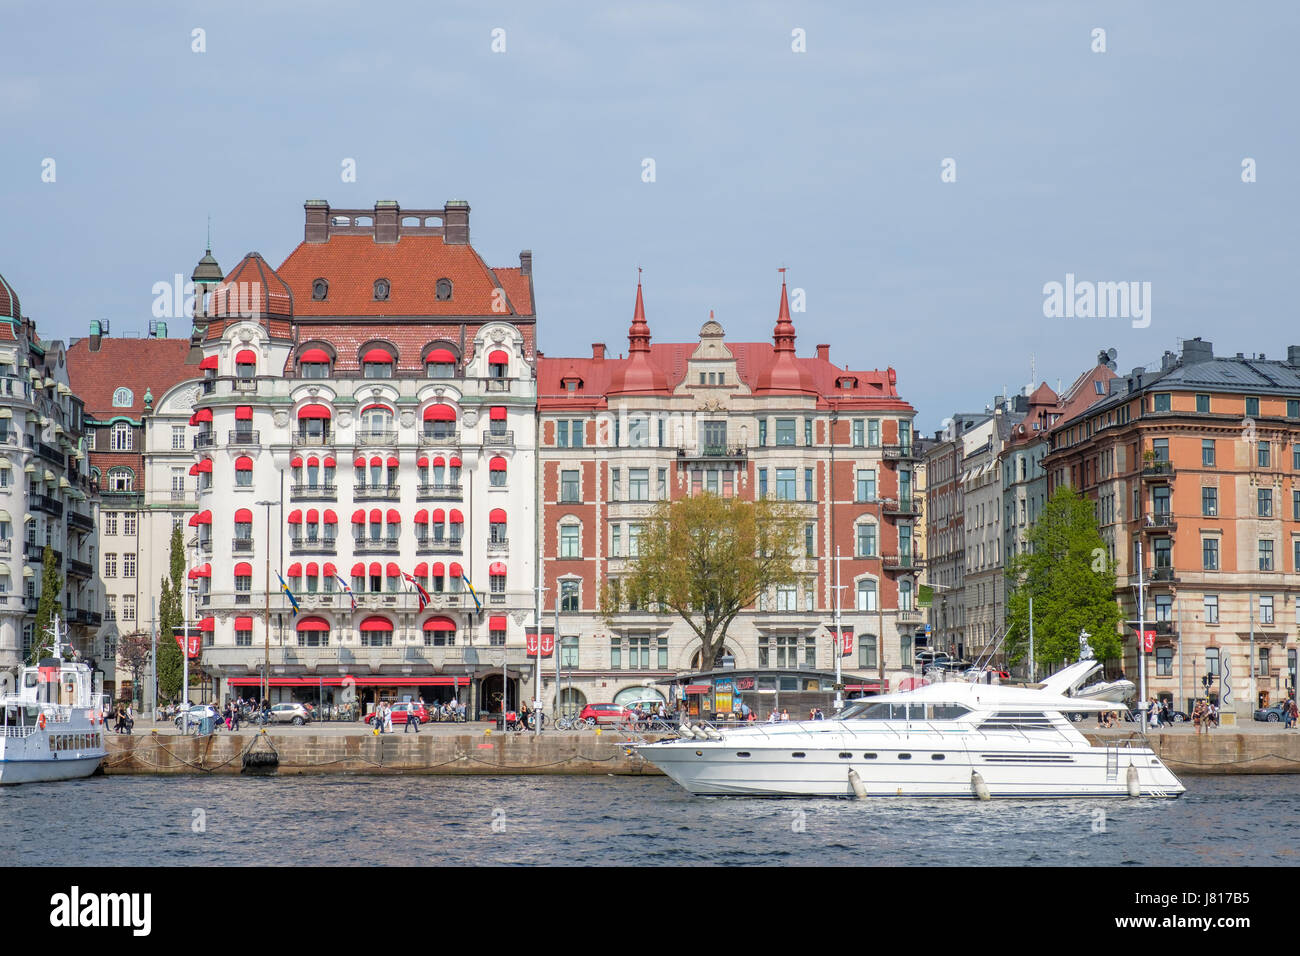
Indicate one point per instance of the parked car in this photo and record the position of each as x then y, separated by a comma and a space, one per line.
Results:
295, 714
408, 711
604, 714
197, 713
1274, 713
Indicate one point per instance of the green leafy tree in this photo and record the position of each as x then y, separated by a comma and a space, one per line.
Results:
171, 615
1068, 571
706, 558
50, 604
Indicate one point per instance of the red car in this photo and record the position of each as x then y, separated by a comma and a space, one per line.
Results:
604, 714
402, 711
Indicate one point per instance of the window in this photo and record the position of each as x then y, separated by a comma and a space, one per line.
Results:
866, 540
1164, 662
1207, 452
785, 431
807, 431
128, 565
1160, 402
129, 523
785, 598
867, 651
1265, 555
128, 607
638, 432
615, 484
1211, 604
808, 485
568, 653
1210, 554
120, 440
1212, 661
762, 432
1263, 454
633, 540
638, 484
569, 546
661, 491
1264, 499
121, 479
1160, 447
1210, 502
562, 434
762, 482
320, 289
859, 434
615, 654
905, 598
1293, 408
1202, 404
1266, 609
382, 290
442, 289
568, 597
1252, 407
575, 432
866, 484
178, 437
873, 432
110, 522
110, 610
809, 537
110, 564
785, 484
866, 596
616, 541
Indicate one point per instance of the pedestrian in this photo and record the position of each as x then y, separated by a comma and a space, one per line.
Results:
774, 718
1294, 712
234, 715
388, 718
1198, 715
1154, 710
413, 719
785, 714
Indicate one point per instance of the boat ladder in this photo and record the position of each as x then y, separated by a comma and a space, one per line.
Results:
1112, 764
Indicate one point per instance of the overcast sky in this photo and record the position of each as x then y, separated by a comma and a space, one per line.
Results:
1122, 165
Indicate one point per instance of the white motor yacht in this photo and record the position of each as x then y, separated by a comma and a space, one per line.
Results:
953, 739
52, 727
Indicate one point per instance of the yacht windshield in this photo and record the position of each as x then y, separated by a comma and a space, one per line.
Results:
867, 710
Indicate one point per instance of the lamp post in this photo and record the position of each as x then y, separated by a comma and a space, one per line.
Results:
537, 669
266, 633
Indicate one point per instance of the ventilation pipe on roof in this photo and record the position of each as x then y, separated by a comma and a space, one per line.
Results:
824, 353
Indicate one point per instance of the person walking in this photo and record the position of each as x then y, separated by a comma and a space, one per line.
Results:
412, 720
1294, 712
388, 718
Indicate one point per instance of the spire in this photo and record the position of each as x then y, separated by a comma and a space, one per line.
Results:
783, 334
638, 335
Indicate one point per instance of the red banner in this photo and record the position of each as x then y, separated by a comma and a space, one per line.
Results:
548, 641
196, 644
1148, 641
846, 639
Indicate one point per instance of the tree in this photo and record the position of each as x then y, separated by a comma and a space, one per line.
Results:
706, 558
1068, 571
171, 615
134, 651
50, 604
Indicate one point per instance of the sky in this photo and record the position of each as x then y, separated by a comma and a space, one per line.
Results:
923, 170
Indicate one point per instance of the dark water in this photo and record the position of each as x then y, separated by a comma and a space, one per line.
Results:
338, 820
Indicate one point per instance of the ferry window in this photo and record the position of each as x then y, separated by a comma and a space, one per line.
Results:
936, 756
904, 756
868, 756
742, 753
845, 756
949, 711
798, 753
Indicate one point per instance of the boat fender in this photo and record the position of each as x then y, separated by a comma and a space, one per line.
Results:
978, 786
1134, 788
859, 788
712, 734
684, 730
699, 734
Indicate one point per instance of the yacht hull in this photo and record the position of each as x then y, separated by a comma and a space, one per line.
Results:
46, 770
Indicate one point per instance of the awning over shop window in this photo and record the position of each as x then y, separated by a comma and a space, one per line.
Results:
439, 624
208, 624
376, 624
313, 624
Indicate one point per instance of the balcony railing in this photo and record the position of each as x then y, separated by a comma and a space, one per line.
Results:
206, 440
902, 562
501, 438
382, 546
442, 439
1159, 522
497, 384
314, 492
319, 546
31, 603
48, 504
438, 493
36, 552
1158, 469
714, 451
1161, 575
429, 546
6, 545
902, 506
80, 569
1164, 627
180, 494
895, 452
51, 454
243, 438
304, 440
242, 546
376, 493
368, 439
500, 544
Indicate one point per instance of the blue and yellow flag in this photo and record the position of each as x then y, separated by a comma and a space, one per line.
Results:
289, 594
472, 593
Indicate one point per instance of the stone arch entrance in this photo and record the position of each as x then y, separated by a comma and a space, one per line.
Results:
490, 694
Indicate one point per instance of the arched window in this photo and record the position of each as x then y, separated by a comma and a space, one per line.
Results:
440, 363
243, 530
498, 364
866, 539
442, 290
313, 632
244, 471
246, 364
121, 437
121, 479
314, 424
905, 594
440, 423
377, 363
320, 290
497, 526
866, 595
497, 580
314, 363
570, 539
497, 472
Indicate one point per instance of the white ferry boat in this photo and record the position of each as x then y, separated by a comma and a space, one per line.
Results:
52, 728
953, 739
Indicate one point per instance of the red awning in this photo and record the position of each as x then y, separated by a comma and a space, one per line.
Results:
437, 570
376, 462
313, 516
243, 569
455, 462
376, 624
330, 517
360, 462
497, 464
422, 462
359, 517
209, 362
393, 462
205, 466
393, 570
456, 517
194, 468
295, 516
393, 516
243, 623
313, 569
243, 413
243, 463
243, 516
314, 355
498, 357
455, 570
497, 516
440, 413
313, 462
377, 355
208, 624
698, 688
498, 413
203, 517
314, 411
496, 623
202, 415
438, 516
439, 462
296, 463
329, 570
441, 356
422, 516
246, 357
497, 568
439, 624
291, 681
295, 570
421, 570
375, 569
313, 624
376, 516
358, 570
329, 461
373, 406
461, 680
203, 571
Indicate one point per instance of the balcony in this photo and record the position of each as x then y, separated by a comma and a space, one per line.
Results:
51, 454
376, 493
320, 546
304, 440
497, 384
6, 545
504, 438
899, 452
1157, 471
1162, 576
30, 603
902, 506
427, 546
313, 492
713, 452
36, 552
242, 546
500, 544
381, 546
180, 494
79, 521
438, 493
371, 439
442, 439
80, 569
243, 438
48, 504
902, 562
1158, 523
1165, 628
205, 440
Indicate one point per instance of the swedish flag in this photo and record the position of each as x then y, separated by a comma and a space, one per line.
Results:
472, 593
289, 594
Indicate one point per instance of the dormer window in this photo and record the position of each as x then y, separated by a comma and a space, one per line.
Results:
314, 363
848, 382
443, 290
381, 290
377, 363
440, 363
571, 384
320, 290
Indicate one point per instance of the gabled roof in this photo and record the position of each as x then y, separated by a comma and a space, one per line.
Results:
138, 364
252, 286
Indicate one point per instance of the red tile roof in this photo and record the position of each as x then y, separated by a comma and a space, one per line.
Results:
9, 304
251, 287
412, 265
138, 364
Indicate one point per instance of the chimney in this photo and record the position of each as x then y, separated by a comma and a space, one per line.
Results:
598, 351
1168, 361
318, 220
386, 216
1293, 355
455, 222
824, 353
95, 334
526, 262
